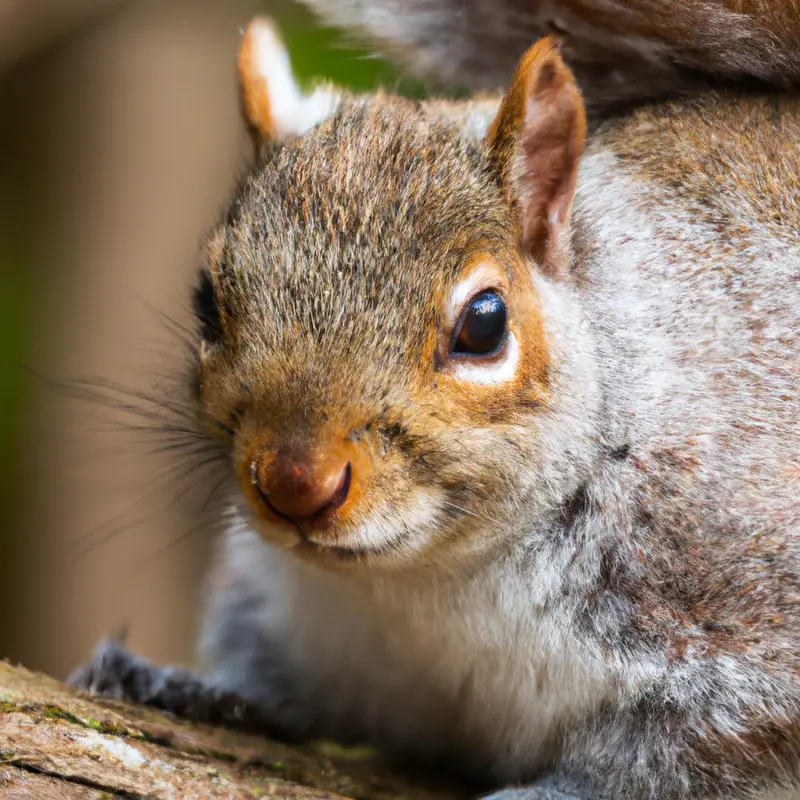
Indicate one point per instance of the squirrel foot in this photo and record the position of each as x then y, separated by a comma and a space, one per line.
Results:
117, 673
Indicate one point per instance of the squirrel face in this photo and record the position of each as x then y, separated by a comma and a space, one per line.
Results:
372, 340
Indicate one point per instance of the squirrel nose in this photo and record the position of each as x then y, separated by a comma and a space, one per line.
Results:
296, 488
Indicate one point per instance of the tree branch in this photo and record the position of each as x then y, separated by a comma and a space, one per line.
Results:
56, 743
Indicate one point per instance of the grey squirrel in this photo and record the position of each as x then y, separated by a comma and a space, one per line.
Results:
513, 421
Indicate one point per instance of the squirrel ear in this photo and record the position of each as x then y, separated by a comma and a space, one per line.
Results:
535, 143
273, 102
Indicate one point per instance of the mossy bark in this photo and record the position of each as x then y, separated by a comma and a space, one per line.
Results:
56, 743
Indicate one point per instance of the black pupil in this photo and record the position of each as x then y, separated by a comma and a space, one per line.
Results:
483, 325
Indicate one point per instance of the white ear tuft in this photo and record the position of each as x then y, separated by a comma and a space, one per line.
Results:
274, 103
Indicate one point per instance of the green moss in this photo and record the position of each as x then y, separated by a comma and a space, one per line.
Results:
56, 712
217, 754
52, 711
339, 752
118, 730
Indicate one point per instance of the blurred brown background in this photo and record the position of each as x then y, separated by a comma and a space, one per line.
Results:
120, 138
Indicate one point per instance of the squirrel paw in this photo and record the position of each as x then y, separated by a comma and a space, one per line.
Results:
119, 674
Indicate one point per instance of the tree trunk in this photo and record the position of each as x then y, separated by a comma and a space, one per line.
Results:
56, 743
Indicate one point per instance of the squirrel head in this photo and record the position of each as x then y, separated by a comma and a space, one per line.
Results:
373, 351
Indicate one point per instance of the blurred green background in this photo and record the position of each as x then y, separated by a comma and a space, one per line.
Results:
120, 138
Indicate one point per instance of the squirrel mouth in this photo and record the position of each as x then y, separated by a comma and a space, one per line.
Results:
357, 552
337, 552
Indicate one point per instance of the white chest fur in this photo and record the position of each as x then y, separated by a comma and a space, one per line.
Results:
473, 664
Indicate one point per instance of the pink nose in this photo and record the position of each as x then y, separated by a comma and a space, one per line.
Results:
299, 489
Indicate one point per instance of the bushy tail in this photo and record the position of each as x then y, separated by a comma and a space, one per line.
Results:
620, 50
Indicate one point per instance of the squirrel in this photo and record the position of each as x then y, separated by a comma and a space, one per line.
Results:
621, 51
513, 423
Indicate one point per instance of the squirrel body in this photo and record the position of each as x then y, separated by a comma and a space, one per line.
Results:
655, 553
570, 559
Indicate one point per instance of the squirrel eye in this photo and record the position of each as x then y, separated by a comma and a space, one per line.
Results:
481, 330
206, 309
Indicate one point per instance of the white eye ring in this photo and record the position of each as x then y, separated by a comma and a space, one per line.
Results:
491, 372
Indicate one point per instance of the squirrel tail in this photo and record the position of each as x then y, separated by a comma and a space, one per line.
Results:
621, 51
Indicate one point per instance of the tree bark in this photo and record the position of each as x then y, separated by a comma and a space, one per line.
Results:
60, 744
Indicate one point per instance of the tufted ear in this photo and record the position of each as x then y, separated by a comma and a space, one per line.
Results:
535, 143
274, 104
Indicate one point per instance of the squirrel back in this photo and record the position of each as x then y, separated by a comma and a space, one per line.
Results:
621, 51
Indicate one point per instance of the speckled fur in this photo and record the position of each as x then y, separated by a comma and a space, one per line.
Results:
591, 577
